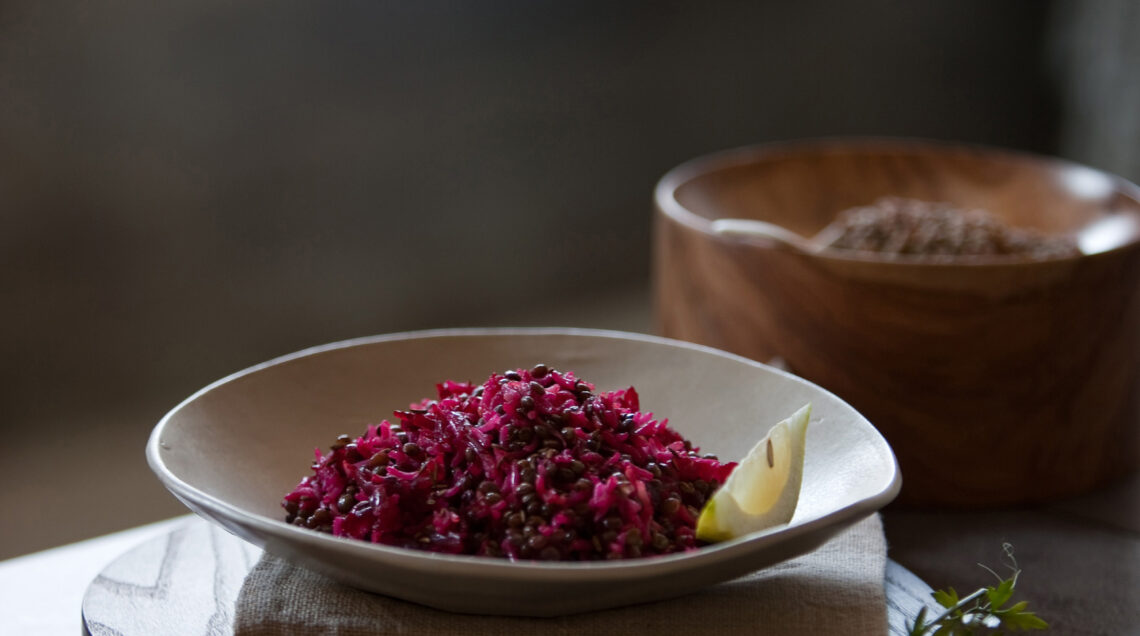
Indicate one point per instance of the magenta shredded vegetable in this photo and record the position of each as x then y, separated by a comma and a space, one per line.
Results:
532, 464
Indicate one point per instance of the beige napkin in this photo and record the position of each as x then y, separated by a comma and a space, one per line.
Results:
837, 589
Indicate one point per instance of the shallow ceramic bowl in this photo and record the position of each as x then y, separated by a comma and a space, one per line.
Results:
231, 452
996, 380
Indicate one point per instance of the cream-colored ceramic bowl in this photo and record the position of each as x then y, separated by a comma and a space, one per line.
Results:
231, 451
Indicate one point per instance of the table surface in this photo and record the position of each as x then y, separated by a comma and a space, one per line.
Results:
1080, 560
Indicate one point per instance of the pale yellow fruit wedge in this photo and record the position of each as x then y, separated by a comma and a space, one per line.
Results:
764, 488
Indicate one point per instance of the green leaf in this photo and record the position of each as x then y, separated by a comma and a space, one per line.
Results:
918, 627
1017, 607
946, 598
1000, 594
1017, 618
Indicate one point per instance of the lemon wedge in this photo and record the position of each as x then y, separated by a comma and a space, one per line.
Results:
764, 488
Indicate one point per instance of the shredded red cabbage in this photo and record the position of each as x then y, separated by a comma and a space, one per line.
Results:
532, 464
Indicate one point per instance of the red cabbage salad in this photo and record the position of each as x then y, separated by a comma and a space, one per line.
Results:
533, 464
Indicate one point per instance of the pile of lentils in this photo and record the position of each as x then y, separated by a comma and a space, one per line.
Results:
897, 226
532, 464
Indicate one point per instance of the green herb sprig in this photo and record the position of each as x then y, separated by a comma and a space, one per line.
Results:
981, 612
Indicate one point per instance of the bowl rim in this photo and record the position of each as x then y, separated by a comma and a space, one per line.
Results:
665, 191
445, 564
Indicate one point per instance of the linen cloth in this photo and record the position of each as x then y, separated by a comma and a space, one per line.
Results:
837, 589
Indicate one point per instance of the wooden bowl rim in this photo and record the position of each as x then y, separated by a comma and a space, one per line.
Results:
665, 192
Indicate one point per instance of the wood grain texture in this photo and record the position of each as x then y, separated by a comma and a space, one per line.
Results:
995, 383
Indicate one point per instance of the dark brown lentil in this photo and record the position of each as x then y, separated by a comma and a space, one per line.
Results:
894, 226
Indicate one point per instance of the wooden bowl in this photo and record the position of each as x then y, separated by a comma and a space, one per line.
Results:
995, 381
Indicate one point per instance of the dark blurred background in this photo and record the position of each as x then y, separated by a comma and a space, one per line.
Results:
191, 188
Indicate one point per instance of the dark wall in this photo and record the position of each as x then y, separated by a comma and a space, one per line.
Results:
190, 188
